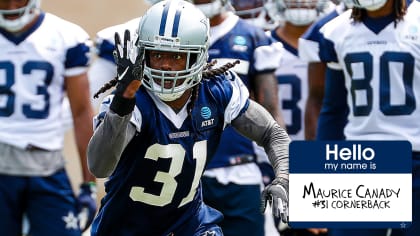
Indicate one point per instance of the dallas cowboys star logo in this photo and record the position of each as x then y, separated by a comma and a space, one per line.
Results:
71, 221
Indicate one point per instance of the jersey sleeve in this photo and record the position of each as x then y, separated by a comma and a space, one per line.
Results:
78, 48
267, 53
268, 57
238, 100
327, 54
309, 42
136, 118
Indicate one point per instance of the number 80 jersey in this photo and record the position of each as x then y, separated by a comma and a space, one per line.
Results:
32, 71
381, 64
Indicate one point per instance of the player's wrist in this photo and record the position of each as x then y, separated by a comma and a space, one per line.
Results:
122, 106
282, 181
90, 186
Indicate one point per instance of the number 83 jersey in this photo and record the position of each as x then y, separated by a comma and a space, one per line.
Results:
33, 67
381, 64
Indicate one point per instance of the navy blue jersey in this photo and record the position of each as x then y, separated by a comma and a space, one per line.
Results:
257, 53
155, 188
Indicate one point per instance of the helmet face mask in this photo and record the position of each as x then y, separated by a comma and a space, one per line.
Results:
174, 27
370, 5
298, 12
26, 15
211, 9
254, 12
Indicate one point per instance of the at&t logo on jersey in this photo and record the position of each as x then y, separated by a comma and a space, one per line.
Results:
206, 115
239, 44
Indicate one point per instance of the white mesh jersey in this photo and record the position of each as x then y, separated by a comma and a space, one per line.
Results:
381, 65
292, 79
33, 67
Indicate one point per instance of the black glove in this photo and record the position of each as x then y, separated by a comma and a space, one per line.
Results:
129, 68
277, 194
86, 204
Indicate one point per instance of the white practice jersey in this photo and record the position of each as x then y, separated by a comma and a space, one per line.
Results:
292, 79
309, 41
33, 67
381, 65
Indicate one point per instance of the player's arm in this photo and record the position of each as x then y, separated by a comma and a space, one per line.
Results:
333, 115
266, 94
114, 130
110, 138
258, 125
77, 88
316, 79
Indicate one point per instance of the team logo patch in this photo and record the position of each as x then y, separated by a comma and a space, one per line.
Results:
205, 112
239, 40
239, 44
71, 221
412, 33
207, 119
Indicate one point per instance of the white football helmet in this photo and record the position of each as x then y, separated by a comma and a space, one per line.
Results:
26, 14
174, 26
370, 5
297, 12
254, 12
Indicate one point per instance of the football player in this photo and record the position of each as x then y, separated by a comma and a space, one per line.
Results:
158, 131
374, 50
234, 173
42, 59
297, 16
308, 50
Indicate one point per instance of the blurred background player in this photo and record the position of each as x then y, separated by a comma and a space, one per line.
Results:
43, 59
296, 17
232, 181
255, 13
308, 50
383, 91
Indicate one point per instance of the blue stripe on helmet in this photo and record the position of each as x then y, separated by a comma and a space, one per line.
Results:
176, 22
163, 20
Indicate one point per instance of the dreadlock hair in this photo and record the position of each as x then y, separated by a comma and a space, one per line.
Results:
207, 73
400, 8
